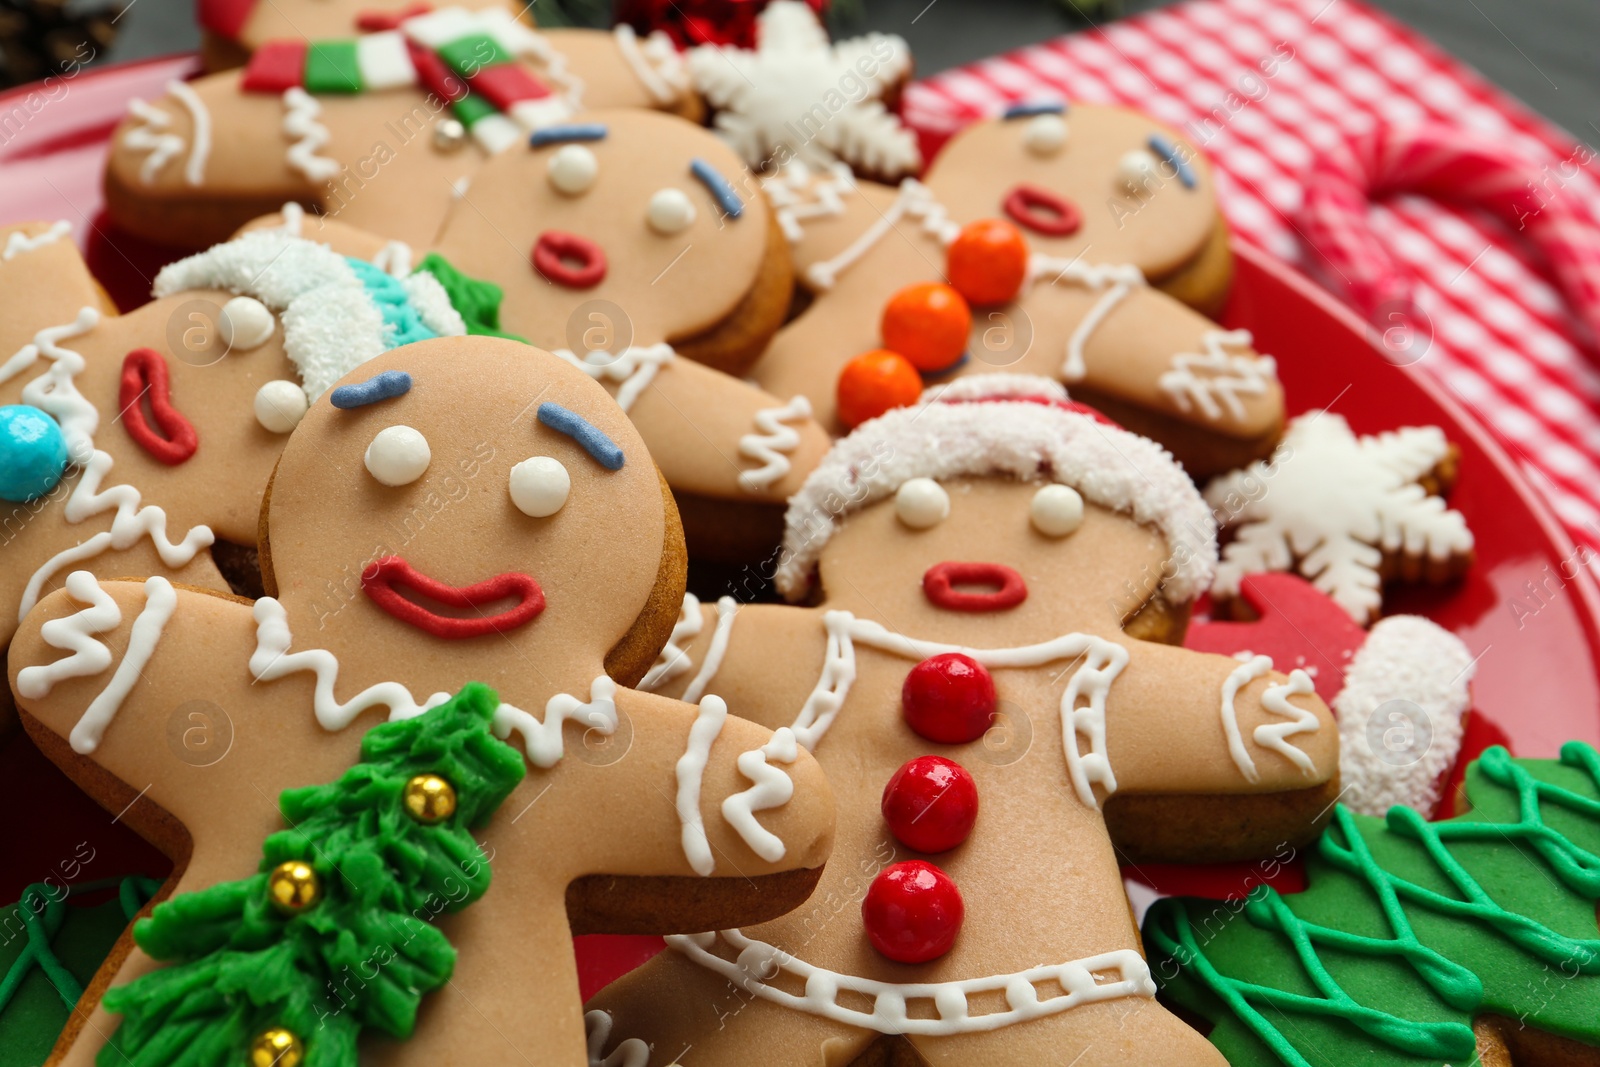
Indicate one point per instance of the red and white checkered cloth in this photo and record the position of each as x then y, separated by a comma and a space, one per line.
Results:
1505, 343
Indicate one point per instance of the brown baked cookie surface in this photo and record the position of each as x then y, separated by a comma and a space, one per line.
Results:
495, 519
998, 536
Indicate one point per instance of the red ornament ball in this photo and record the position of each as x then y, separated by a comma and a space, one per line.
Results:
949, 699
988, 261
928, 323
930, 804
874, 382
912, 912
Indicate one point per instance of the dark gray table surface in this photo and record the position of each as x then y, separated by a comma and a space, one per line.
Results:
1547, 52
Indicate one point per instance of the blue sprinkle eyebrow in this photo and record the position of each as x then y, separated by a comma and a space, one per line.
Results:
726, 198
1028, 109
1165, 152
576, 131
384, 385
592, 439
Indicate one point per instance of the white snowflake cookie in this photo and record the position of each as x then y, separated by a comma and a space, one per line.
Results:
1343, 511
798, 97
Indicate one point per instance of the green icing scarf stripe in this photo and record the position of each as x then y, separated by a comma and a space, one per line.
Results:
475, 300
1170, 931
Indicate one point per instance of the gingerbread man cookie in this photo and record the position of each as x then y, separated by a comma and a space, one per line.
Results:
626, 243
376, 123
996, 736
461, 508
1110, 225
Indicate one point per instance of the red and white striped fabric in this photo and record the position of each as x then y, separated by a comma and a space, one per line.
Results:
1269, 87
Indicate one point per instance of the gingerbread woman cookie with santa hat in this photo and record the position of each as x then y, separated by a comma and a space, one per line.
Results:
501, 521
370, 117
1070, 243
999, 740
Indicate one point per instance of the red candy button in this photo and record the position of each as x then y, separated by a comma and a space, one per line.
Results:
948, 699
988, 261
912, 912
930, 804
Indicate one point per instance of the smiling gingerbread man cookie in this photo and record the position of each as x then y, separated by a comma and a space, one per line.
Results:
996, 737
371, 122
499, 520
1075, 236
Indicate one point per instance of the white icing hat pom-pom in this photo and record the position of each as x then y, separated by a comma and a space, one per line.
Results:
1057, 510
921, 503
539, 486
670, 212
280, 405
1136, 171
398, 455
573, 169
1045, 135
245, 323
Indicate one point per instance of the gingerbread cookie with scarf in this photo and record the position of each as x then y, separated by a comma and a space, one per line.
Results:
376, 119
998, 739
460, 508
627, 244
1071, 241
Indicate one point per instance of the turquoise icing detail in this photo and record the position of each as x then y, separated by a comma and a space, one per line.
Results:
401, 323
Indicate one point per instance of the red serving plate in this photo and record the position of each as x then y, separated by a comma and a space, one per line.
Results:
1536, 631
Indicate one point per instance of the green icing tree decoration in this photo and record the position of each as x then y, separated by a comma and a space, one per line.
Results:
365, 953
477, 301
1408, 930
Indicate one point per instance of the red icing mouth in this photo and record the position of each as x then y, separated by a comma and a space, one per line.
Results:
382, 580
1042, 211
144, 376
940, 580
569, 260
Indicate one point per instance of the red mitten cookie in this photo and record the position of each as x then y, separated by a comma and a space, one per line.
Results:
460, 509
1113, 208
979, 561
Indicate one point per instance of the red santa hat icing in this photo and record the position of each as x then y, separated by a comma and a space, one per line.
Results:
1006, 424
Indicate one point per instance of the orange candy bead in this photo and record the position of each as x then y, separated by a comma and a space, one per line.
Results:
927, 324
988, 261
874, 382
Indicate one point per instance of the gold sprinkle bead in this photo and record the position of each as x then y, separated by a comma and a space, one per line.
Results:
276, 1047
293, 887
430, 799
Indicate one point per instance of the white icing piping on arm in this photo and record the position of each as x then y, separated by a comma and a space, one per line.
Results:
1202, 379
952, 1000
1273, 735
301, 111
772, 789
673, 660
597, 1030
153, 135
771, 443
634, 368
690, 773
18, 243
916, 201
56, 391
656, 63
788, 189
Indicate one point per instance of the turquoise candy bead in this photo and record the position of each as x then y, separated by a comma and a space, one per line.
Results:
33, 453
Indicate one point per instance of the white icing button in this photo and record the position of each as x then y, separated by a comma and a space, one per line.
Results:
671, 211
398, 455
1057, 510
921, 503
539, 486
1045, 135
245, 323
573, 169
1136, 171
280, 405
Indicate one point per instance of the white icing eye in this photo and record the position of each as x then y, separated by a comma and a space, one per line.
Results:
1136, 171
921, 503
539, 486
1057, 510
245, 323
398, 455
670, 212
573, 169
1045, 135
280, 405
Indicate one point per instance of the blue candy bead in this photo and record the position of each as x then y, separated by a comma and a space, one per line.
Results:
33, 453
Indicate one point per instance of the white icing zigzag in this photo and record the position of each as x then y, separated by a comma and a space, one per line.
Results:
759, 964
159, 601
1427, 672
772, 789
656, 63
630, 1053
915, 201
635, 368
797, 195
19, 243
154, 135
674, 658
1203, 379
1272, 735
1334, 505
771, 443
56, 391
74, 634
300, 114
